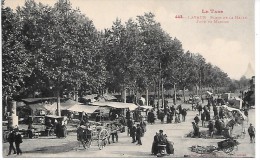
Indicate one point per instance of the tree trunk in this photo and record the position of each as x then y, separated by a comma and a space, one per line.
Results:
76, 97
197, 90
5, 107
162, 93
58, 102
154, 96
136, 99
147, 97
183, 93
74, 93
159, 96
174, 94
123, 94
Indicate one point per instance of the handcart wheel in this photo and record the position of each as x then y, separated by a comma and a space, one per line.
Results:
102, 138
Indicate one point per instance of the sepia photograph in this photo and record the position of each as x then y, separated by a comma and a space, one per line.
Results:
128, 79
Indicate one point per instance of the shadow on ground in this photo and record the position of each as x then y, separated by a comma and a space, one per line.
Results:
55, 149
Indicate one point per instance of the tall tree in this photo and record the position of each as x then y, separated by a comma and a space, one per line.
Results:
15, 60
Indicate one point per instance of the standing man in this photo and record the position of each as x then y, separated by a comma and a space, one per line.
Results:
153, 117
162, 115
114, 133
215, 110
180, 110
133, 133
18, 140
203, 118
129, 126
221, 114
197, 119
143, 127
251, 132
199, 108
11, 138
138, 134
184, 113
128, 115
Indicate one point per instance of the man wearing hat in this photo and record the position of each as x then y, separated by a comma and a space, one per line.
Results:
251, 132
18, 140
138, 134
133, 133
10, 139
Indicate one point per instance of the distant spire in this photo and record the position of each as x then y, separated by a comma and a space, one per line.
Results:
249, 72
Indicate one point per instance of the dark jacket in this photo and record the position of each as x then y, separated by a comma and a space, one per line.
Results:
139, 132
203, 116
128, 115
211, 127
133, 131
18, 138
184, 112
11, 137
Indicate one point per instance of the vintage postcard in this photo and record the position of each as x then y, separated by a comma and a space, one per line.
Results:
128, 78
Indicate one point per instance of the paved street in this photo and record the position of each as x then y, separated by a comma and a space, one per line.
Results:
52, 147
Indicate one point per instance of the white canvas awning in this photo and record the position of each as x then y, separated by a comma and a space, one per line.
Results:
109, 97
121, 105
63, 105
83, 108
146, 107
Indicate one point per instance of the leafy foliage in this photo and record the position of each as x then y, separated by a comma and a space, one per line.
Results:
59, 48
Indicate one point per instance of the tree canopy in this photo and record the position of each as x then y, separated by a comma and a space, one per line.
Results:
57, 47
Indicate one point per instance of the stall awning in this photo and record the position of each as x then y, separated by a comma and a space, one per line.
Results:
83, 108
37, 106
109, 97
146, 107
64, 105
34, 100
131, 106
89, 96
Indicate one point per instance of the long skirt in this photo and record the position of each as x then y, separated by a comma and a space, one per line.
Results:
154, 148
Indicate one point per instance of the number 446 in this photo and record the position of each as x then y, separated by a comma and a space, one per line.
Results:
178, 16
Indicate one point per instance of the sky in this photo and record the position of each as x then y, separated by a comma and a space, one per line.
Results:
230, 46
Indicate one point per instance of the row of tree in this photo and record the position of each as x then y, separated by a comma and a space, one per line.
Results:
57, 48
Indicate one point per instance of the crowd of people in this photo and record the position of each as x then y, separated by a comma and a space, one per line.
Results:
218, 124
136, 125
